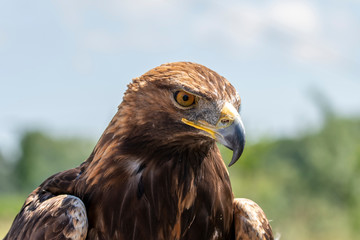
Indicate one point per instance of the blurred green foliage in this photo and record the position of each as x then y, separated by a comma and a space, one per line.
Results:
309, 186
5, 171
42, 156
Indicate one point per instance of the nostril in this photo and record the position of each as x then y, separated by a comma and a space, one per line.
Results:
224, 121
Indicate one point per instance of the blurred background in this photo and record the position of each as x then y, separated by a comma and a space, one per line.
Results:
64, 66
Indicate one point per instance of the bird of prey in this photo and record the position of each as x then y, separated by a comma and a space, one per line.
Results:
156, 172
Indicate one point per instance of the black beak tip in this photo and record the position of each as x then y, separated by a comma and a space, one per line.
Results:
236, 155
237, 141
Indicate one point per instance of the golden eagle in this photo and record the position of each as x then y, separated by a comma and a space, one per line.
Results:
156, 172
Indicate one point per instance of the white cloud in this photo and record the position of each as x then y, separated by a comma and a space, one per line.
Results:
315, 52
247, 24
142, 9
305, 27
238, 24
294, 17
297, 28
140, 24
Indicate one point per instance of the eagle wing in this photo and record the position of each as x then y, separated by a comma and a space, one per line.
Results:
250, 221
45, 216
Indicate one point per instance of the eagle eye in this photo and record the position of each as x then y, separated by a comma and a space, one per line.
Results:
184, 99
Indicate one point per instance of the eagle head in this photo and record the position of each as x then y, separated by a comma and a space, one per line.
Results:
182, 105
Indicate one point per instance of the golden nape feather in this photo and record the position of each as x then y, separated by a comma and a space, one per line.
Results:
156, 172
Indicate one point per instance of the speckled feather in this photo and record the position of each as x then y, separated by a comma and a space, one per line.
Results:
250, 221
150, 176
45, 216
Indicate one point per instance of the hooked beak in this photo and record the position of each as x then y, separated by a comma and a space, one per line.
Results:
228, 131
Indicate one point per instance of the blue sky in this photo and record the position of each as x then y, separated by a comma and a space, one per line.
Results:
64, 65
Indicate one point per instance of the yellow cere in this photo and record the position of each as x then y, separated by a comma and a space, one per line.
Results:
229, 111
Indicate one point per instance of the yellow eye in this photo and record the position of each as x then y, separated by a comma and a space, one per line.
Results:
184, 99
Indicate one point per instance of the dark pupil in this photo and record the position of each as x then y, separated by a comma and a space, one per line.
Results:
185, 98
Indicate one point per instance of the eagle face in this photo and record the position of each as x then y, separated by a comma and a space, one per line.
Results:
194, 104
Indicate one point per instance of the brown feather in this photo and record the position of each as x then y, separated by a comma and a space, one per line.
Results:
50, 217
150, 176
250, 221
